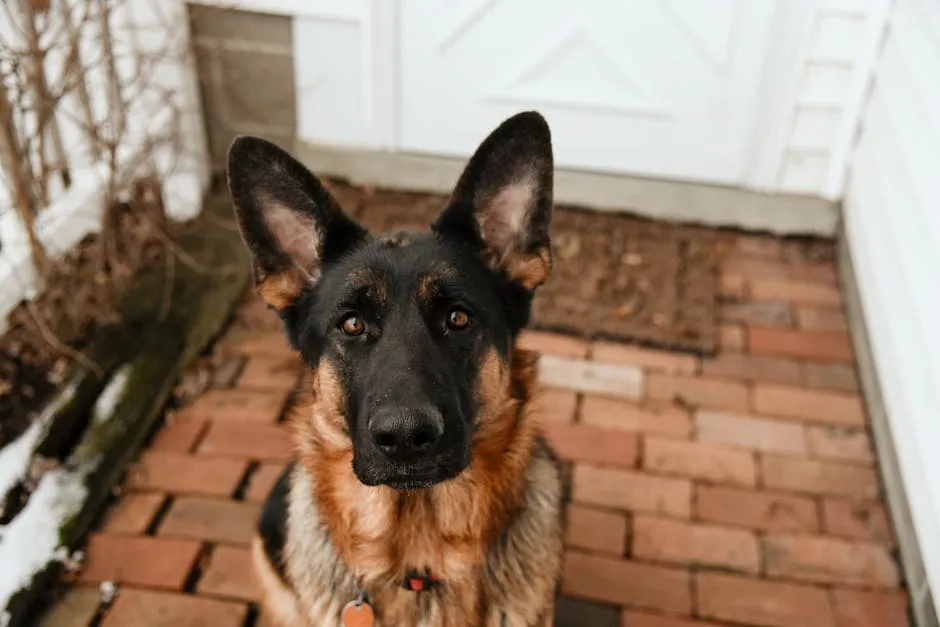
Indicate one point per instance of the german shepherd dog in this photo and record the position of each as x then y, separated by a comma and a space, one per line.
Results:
422, 492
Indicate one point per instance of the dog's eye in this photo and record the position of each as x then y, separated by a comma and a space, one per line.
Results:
458, 319
352, 325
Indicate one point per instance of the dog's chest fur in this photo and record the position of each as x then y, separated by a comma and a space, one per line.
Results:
513, 583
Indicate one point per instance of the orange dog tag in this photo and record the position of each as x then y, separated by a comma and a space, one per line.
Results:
358, 614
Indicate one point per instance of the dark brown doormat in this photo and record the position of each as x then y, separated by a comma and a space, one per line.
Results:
632, 280
617, 277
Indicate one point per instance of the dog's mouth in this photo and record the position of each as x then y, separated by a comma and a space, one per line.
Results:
408, 478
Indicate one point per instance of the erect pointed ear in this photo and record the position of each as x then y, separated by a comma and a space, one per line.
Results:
290, 223
503, 200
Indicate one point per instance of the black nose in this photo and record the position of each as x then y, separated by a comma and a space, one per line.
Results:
406, 434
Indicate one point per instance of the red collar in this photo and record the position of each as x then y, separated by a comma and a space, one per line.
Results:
418, 582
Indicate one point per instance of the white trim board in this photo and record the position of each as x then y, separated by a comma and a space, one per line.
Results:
345, 11
712, 205
922, 603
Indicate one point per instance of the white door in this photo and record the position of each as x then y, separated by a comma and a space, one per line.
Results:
666, 88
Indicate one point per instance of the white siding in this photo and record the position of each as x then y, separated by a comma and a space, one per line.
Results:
835, 63
892, 225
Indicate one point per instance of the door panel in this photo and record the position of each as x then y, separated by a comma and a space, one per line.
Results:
665, 88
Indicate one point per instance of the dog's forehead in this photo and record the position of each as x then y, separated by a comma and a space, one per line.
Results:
404, 264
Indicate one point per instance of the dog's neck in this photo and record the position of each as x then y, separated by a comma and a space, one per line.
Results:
381, 533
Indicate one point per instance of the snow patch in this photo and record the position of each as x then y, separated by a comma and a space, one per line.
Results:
15, 456
31, 542
110, 395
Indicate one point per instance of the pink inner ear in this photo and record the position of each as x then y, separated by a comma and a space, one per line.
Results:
296, 235
503, 216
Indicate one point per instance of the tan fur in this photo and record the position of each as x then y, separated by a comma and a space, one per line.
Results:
341, 532
530, 271
429, 283
281, 289
280, 602
371, 282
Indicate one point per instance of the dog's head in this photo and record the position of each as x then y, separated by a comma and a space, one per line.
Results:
409, 334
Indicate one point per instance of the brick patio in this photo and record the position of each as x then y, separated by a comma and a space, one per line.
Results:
739, 490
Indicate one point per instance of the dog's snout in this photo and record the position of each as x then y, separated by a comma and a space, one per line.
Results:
406, 434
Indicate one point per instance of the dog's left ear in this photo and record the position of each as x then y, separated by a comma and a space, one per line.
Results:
503, 200
290, 222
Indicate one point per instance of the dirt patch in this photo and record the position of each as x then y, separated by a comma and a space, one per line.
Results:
615, 276
44, 335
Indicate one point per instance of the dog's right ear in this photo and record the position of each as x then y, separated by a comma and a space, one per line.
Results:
290, 223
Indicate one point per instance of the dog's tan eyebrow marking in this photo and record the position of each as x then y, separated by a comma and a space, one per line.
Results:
429, 282
370, 282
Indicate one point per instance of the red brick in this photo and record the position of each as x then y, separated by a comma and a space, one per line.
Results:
699, 460
261, 481
750, 432
179, 436
829, 560
553, 344
818, 477
719, 393
230, 522
857, 608
591, 376
247, 441
759, 246
144, 561
615, 581
739, 599
757, 312
133, 513
840, 443
226, 370
650, 359
731, 337
651, 417
753, 368
811, 405
858, 520
819, 345
577, 442
732, 286
147, 608
258, 406
553, 405
629, 618
230, 573
270, 373
821, 319
623, 489
77, 608
596, 530
679, 542
260, 344
762, 269
187, 474
838, 377
820, 273
765, 511
799, 292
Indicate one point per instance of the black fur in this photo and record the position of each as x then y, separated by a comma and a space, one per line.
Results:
272, 525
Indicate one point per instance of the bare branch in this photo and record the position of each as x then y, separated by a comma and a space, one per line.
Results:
11, 160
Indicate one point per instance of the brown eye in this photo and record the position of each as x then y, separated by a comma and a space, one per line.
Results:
352, 325
458, 319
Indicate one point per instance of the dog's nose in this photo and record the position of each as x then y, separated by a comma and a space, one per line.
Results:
406, 434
